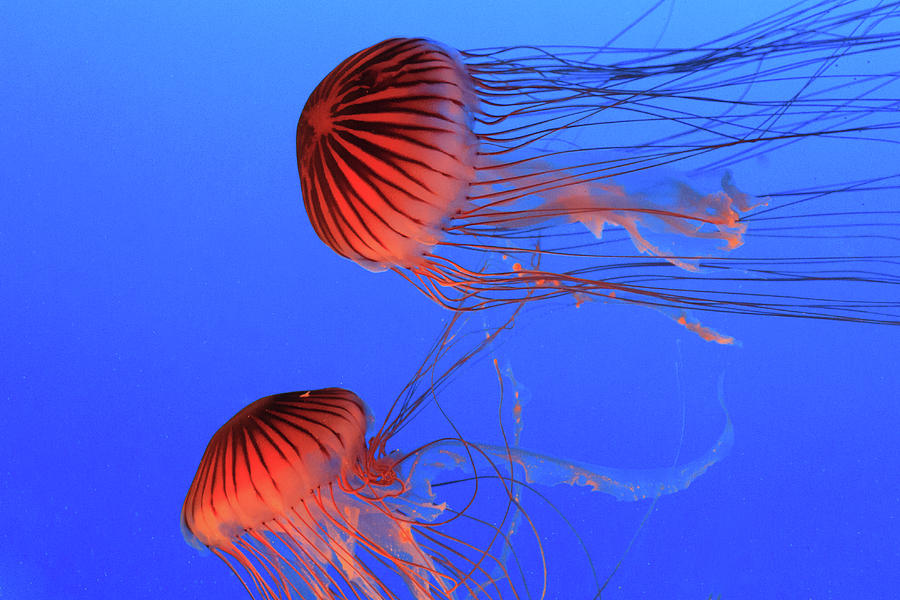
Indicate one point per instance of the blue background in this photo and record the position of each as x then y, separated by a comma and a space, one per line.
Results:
158, 272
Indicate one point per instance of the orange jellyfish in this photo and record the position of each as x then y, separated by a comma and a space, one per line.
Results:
295, 499
488, 177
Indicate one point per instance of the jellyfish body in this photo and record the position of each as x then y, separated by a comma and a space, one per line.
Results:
409, 102
290, 495
478, 177
284, 490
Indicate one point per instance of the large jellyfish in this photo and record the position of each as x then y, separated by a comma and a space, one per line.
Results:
299, 503
492, 176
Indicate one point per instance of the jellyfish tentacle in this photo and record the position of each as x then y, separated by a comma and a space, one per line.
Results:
622, 484
427, 161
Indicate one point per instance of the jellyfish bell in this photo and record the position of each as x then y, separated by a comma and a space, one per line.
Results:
418, 119
488, 177
272, 452
280, 491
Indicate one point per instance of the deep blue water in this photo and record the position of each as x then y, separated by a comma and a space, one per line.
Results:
158, 273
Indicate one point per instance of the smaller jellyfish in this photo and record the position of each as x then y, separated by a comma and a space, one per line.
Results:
493, 176
294, 498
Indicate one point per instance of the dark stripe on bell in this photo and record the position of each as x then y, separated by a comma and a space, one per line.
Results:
388, 130
284, 414
390, 106
242, 446
438, 67
327, 409
366, 174
313, 199
221, 482
286, 440
373, 125
365, 171
301, 429
348, 192
387, 51
233, 452
349, 73
303, 416
384, 155
337, 403
252, 431
331, 207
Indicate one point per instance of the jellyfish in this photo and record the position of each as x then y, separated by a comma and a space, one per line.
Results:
493, 176
295, 498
